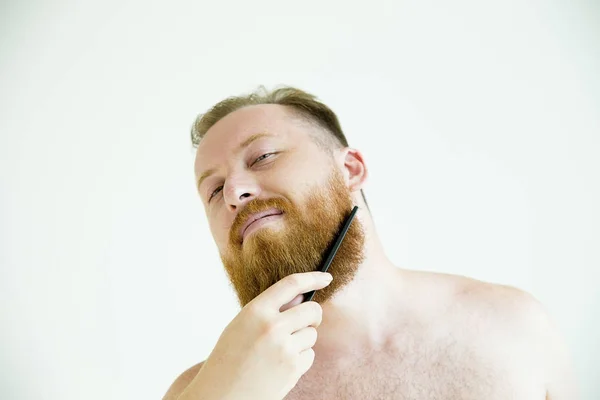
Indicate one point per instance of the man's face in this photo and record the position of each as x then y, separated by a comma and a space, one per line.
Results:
264, 160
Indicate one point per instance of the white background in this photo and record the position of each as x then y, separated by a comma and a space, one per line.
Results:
479, 122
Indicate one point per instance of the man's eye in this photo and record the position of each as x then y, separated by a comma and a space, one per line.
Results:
214, 192
261, 157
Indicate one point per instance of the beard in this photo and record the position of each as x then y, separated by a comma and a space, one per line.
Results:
298, 242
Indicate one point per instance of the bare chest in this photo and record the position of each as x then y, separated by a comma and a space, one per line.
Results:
422, 372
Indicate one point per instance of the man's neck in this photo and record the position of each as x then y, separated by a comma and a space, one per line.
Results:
358, 315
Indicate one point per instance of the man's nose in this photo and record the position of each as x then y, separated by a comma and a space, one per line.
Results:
239, 193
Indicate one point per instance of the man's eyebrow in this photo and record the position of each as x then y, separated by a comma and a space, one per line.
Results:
243, 145
251, 139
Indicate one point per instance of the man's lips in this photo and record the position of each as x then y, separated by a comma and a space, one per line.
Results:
257, 216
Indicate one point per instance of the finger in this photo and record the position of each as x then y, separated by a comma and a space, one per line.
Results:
304, 338
284, 291
306, 314
305, 360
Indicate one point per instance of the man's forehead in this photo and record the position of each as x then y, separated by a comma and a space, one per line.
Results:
233, 132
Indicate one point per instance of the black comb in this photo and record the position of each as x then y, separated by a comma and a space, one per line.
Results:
309, 295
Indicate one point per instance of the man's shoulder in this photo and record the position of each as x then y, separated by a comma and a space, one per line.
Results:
501, 300
501, 308
507, 314
182, 382
498, 302
503, 321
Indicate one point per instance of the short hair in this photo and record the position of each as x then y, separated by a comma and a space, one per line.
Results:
304, 106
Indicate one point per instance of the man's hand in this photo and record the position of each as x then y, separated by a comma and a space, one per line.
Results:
267, 347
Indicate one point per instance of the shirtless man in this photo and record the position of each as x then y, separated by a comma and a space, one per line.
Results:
375, 331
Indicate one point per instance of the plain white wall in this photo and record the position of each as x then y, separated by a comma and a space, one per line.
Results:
479, 122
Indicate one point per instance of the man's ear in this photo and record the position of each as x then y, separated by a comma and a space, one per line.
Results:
354, 169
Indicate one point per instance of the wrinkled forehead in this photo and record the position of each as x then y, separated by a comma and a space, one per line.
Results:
223, 139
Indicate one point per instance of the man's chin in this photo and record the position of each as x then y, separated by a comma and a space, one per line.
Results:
272, 232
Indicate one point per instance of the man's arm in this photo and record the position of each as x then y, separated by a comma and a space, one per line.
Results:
182, 382
560, 374
549, 347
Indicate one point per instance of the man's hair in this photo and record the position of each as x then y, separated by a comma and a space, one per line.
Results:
303, 106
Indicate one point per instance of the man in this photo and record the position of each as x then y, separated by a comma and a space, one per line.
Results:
277, 180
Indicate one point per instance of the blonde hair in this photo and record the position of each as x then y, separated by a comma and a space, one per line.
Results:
303, 106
